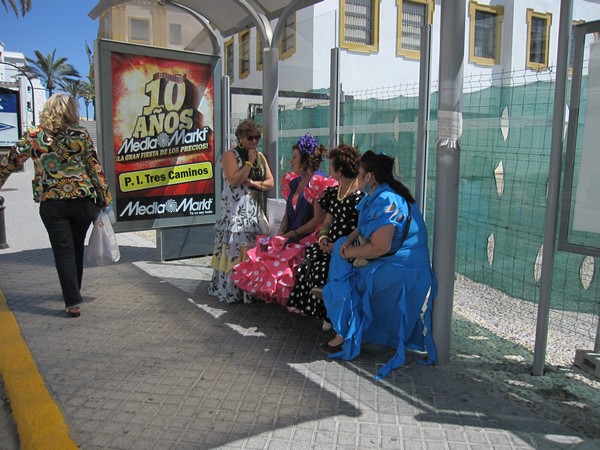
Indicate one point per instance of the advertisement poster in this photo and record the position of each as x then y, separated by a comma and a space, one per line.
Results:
163, 137
9, 117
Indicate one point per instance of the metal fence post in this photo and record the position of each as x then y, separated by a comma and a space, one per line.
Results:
3, 243
447, 167
552, 202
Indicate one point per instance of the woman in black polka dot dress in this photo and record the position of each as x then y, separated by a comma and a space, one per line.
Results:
340, 205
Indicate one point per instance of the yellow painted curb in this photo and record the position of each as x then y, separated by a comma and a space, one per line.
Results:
39, 422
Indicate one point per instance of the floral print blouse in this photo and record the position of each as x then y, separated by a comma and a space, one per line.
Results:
66, 165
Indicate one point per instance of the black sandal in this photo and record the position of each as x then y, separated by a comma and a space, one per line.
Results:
73, 311
330, 349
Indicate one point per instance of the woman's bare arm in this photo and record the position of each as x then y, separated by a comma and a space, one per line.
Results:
236, 176
379, 244
267, 183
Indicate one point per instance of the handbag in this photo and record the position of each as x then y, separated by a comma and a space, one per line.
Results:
359, 262
361, 240
103, 248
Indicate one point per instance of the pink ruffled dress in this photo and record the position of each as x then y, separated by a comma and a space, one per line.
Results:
268, 271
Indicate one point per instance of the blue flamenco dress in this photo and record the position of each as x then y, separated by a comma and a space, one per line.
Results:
388, 301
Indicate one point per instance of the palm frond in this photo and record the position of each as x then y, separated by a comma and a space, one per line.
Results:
25, 6
50, 69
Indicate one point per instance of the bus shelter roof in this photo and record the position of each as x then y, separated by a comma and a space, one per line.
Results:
228, 16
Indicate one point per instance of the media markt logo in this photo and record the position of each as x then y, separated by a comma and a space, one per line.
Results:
187, 205
171, 206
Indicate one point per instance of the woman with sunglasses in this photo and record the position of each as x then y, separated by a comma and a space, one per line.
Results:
247, 177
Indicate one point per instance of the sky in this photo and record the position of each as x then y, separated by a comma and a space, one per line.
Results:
63, 25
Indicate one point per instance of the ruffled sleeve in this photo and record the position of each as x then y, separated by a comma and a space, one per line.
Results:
326, 200
386, 208
285, 183
316, 187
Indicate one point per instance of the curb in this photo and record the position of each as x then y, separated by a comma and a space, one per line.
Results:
40, 424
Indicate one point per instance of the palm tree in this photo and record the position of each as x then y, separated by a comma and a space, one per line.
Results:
25, 6
89, 87
89, 95
90, 56
49, 69
72, 87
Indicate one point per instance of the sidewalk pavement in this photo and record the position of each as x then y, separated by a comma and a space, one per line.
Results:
155, 363
8, 432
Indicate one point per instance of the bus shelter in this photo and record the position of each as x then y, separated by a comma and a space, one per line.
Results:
227, 17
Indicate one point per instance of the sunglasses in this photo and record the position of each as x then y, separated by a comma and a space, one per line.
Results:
253, 138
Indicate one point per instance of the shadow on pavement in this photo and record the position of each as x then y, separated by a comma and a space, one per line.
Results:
150, 365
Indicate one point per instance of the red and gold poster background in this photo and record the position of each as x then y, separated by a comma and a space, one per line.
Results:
163, 128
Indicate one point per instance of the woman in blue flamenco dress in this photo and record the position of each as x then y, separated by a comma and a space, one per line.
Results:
387, 299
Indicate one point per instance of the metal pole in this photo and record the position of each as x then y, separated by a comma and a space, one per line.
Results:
225, 113
423, 118
271, 113
558, 120
597, 342
452, 36
3, 243
334, 102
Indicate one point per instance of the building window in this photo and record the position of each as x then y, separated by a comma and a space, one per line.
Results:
228, 45
359, 28
287, 42
139, 30
485, 34
175, 34
259, 51
538, 39
412, 15
244, 40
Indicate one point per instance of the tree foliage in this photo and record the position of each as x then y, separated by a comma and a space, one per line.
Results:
72, 87
50, 69
89, 95
24, 4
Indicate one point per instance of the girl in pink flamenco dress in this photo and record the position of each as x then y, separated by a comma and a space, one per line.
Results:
268, 272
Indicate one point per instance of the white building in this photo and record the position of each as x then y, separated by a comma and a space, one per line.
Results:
11, 78
154, 23
380, 42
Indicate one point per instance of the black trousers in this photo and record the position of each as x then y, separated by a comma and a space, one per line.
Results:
67, 223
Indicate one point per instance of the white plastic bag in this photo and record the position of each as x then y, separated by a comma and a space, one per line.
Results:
263, 223
102, 247
275, 212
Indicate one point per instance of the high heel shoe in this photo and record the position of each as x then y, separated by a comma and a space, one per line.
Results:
73, 311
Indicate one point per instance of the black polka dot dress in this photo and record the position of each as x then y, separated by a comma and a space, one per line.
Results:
312, 272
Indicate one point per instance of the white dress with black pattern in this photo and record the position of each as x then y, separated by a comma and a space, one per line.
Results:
236, 231
313, 270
